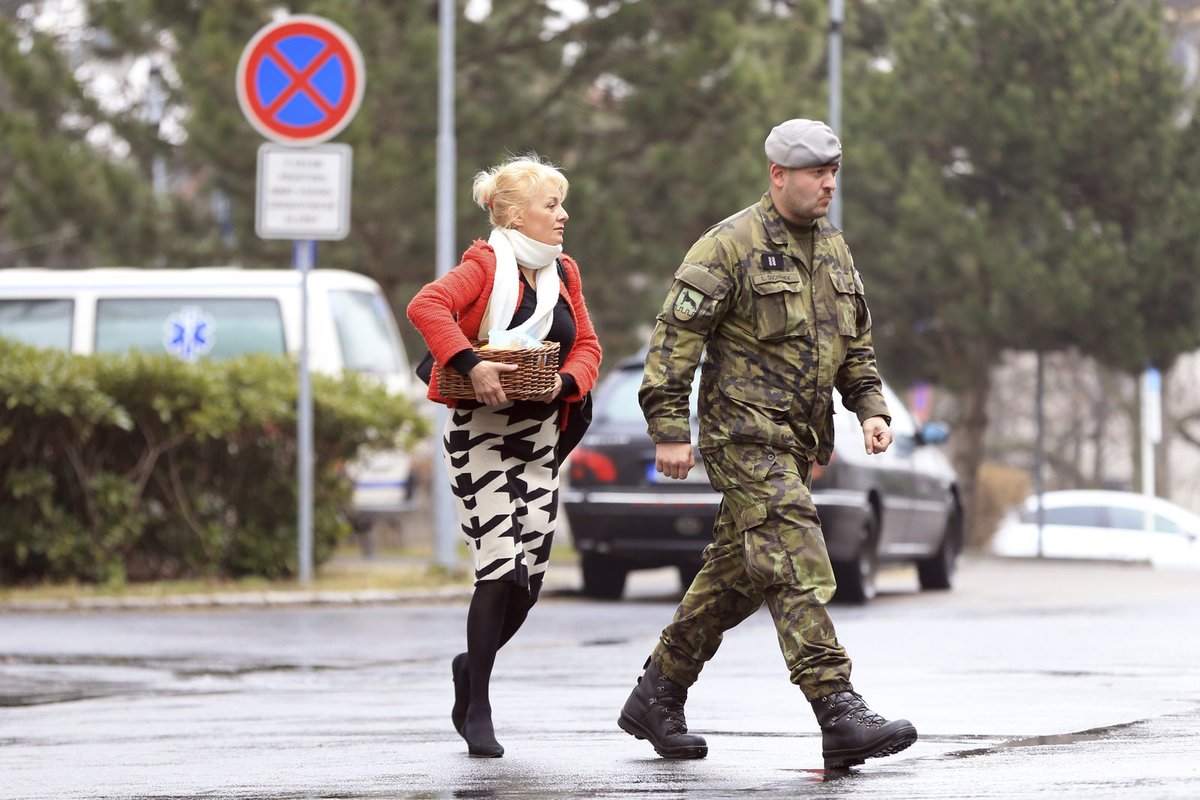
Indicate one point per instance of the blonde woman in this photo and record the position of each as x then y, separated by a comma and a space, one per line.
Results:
501, 454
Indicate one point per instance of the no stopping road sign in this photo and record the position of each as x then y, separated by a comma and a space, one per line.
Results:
300, 80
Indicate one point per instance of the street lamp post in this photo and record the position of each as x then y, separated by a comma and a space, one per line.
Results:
836, 17
445, 524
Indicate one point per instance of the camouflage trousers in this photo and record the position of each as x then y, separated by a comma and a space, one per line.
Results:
767, 547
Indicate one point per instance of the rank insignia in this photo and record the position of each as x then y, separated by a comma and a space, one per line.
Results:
771, 261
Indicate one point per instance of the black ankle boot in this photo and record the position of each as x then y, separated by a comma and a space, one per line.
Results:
462, 691
654, 711
481, 739
851, 732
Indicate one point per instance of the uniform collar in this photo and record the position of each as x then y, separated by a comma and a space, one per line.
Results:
777, 229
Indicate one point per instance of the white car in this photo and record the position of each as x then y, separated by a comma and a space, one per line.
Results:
1093, 524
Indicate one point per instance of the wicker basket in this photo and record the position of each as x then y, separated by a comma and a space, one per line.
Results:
534, 375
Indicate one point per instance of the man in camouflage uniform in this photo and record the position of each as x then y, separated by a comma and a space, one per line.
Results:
772, 297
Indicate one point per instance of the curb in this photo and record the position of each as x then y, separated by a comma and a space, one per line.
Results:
565, 584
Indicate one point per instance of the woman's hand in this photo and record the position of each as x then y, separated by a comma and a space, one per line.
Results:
551, 394
485, 379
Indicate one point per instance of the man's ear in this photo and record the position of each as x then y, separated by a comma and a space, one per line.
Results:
778, 175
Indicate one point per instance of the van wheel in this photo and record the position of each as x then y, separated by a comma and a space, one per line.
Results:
603, 578
856, 579
937, 572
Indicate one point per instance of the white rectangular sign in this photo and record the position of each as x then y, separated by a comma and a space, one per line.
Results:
303, 192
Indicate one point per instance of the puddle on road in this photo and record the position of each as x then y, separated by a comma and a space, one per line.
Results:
68, 687
182, 666
603, 642
1090, 735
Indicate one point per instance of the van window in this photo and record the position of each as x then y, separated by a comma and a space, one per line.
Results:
369, 344
218, 328
41, 323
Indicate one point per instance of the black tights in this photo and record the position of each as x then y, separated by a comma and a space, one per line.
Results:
498, 609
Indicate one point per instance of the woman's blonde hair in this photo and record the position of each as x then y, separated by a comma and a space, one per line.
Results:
506, 190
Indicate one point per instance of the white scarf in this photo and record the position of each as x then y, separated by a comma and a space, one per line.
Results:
513, 247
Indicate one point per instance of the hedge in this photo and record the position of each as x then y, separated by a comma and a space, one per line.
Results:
142, 467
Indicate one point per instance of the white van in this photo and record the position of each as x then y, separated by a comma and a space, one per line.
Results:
222, 312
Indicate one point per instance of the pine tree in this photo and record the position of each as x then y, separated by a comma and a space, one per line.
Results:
1012, 166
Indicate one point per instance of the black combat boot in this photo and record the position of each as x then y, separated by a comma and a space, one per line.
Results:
851, 732
654, 711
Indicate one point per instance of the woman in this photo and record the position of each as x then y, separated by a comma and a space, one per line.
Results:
501, 454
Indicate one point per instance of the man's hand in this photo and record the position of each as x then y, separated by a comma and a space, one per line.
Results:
877, 434
674, 459
485, 378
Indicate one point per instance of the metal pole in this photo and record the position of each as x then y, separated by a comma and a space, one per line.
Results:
156, 104
1151, 430
445, 522
304, 257
836, 17
1039, 482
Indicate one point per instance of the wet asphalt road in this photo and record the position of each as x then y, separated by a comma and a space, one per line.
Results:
1029, 680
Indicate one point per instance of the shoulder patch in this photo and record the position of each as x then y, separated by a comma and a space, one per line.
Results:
687, 303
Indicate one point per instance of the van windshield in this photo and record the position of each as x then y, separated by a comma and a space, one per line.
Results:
41, 323
190, 328
369, 343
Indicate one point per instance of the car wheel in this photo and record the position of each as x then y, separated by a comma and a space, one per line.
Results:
937, 572
856, 579
603, 578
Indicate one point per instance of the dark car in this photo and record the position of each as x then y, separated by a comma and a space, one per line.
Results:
899, 506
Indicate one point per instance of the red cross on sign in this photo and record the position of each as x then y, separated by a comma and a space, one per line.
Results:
300, 80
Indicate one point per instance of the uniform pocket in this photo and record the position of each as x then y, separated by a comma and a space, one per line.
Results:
767, 560
778, 305
848, 301
756, 391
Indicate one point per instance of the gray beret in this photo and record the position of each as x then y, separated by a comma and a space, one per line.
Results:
800, 143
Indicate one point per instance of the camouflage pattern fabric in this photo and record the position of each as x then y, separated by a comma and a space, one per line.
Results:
767, 545
779, 332
780, 321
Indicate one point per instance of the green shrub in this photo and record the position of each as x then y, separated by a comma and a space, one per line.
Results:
138, 467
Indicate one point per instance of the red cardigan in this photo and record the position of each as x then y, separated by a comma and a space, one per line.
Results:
449, 311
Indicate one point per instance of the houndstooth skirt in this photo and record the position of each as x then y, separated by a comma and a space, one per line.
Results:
504, 478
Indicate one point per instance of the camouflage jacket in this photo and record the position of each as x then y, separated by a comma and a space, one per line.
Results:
777, 335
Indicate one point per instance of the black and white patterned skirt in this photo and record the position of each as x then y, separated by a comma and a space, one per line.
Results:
504, 477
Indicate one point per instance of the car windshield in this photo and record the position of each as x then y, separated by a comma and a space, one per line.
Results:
619, 403
369, 343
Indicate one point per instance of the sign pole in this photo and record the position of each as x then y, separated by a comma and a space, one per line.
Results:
304, 259
299, 82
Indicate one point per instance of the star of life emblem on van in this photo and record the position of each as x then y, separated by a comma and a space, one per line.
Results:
189, 333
